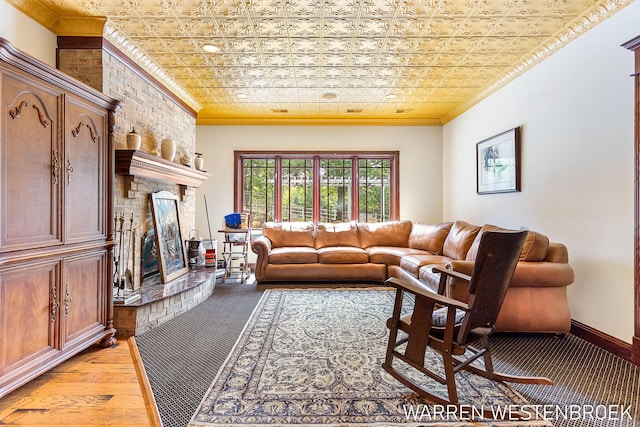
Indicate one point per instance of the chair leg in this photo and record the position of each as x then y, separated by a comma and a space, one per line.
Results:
488, 372
450, 375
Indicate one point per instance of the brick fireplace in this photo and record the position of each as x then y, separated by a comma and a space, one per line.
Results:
155, 113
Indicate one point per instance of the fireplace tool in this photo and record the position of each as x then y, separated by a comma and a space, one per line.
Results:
127, 274
210, 256
117, 279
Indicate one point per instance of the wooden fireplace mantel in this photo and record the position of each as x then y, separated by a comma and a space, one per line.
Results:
141, 164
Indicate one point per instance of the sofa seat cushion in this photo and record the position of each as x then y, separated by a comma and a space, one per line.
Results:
293, 255
391, 255
340, 234
413, 263
286, 234
430, 278
429, 237
342, 255
389, 233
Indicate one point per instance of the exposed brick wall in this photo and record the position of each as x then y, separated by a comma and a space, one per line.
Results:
155, 116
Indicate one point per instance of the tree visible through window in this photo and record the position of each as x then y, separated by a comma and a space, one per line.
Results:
318, 186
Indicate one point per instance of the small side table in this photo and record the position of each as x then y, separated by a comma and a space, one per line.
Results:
235, 252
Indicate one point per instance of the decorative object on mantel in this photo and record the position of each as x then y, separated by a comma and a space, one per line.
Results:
199, 162
168, 149
185, 160
155, 151
134, 140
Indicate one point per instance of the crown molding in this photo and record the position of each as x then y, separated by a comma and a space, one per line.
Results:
308, 121
58, 21
581, 25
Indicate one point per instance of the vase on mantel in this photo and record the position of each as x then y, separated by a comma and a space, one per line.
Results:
199, 161
168, 149
134, 140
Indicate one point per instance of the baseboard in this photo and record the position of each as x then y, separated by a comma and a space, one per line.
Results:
610, 343
150, 401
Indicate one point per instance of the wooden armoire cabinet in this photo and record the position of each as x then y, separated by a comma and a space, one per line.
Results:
56, 233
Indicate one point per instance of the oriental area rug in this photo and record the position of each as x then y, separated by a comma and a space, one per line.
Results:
313, 357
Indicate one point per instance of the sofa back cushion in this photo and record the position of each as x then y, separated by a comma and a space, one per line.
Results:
341, 234
284, 234
429, 237
534, 248
390, 233
459, 240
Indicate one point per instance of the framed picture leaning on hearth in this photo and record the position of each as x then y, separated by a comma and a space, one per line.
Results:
166, 221
498, 163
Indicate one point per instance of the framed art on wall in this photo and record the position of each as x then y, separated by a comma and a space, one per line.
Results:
166, 220
498, 163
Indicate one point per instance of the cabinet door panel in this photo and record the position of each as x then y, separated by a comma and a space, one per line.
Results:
84, 295
29, 165
28, 315
85, 152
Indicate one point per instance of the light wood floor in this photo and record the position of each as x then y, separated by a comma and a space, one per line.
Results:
100, 386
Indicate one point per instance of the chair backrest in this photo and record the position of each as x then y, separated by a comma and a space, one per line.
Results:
495, 263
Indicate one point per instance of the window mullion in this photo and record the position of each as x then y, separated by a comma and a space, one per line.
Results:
277, 197
355, 189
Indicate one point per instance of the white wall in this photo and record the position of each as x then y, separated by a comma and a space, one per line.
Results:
420, 161
26, 34
575, 110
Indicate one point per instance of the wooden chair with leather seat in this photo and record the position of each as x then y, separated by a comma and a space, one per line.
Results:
456, 330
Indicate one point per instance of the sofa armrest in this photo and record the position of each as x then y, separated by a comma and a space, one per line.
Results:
262, 247
530, 274
557, 252
542, 274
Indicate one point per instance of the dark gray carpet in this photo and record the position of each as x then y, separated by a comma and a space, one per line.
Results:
182, 358
585, 376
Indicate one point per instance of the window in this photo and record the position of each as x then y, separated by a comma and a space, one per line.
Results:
317, 186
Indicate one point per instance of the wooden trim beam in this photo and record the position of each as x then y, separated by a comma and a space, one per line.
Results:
634, 45
138, 163
611, 344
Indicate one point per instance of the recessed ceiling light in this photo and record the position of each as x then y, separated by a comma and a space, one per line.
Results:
391, 96
241, 95
210, 48
329, 95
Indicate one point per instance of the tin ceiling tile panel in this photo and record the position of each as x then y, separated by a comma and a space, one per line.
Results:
438, 57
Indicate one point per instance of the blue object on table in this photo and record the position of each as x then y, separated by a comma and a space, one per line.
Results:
232, 220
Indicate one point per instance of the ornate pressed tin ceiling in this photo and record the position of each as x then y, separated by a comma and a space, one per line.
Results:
335, 61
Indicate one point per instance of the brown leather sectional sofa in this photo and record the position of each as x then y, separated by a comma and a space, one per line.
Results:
303, 252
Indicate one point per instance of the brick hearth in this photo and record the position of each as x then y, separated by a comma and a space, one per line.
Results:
160, 303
